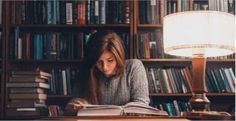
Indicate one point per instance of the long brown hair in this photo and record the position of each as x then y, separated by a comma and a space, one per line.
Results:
99, 42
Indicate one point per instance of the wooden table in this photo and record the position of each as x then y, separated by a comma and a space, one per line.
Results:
116, 118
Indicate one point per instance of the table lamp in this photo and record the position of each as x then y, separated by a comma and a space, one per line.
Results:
198, 35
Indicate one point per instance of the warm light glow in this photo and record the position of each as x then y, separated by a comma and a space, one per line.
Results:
208, 33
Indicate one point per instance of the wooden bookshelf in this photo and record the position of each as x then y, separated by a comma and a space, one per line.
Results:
131, 29
1, 71
19, 27
2, 57
165, 62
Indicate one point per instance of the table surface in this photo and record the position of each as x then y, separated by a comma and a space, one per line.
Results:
116, 118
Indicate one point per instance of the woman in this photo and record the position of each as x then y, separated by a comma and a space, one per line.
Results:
108, 78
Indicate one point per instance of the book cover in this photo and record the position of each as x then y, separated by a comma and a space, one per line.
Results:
36, 73
36, 84
19, 90
28, 101
26, 104
28, 79
28, 96
31, 112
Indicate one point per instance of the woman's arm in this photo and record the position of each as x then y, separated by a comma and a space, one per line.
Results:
139, 83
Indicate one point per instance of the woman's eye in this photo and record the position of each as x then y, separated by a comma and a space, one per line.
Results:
99, 63
111, 60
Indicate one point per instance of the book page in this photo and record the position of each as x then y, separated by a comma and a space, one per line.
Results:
132, 108
142, 109
100, 110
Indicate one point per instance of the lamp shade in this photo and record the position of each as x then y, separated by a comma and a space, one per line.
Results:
206, 33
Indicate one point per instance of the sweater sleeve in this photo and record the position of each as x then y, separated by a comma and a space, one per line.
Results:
139, 83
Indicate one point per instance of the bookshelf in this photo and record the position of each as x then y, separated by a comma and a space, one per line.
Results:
171, 96
1, 68
26, 43
2, 56
37, 34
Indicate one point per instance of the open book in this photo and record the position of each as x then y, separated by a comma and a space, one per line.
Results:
114, 110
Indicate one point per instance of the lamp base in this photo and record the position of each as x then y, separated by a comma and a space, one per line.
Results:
200, 109
199, 102
207, 115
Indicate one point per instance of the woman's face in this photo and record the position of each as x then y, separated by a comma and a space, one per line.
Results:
107, 64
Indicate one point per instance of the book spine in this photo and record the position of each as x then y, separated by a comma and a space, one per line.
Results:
69, 13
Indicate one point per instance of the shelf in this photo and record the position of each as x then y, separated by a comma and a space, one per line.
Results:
186, 60
222, 63
230, 62
60, 96
71, 26
150, 26
221, 60
170, 95
166, 62
220, 94
189, 94
46, 61
200, 0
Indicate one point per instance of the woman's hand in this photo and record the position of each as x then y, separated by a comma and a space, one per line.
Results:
74, 105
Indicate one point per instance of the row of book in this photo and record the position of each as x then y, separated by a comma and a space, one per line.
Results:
70, 12
52, 45
220, 80
173, 6
160, 80
63, 81
177, 108
178, 80
27, 93
174, 108
222, 5
149, 11
169, 80
101, 12
47, 45
150, 44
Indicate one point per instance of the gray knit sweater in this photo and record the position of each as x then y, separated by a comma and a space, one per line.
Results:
130, 86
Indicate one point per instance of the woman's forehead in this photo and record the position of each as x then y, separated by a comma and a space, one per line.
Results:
106, 55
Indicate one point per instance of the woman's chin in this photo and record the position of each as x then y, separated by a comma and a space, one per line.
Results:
107, 75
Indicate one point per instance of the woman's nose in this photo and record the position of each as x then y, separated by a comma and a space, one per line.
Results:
104, 66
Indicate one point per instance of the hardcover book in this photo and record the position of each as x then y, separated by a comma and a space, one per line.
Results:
28, 79
26, 104
28, 112
114, 110
30, 85
28, 90
28, 96
35, 73
28, 101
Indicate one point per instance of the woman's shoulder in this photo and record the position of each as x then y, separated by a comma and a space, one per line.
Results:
133, 63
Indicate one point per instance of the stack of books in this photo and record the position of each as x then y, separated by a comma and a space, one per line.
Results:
27, 93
